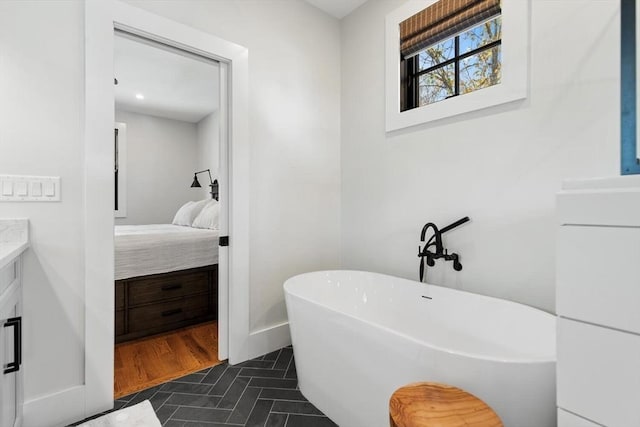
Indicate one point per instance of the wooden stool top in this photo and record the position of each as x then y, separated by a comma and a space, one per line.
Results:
439, 405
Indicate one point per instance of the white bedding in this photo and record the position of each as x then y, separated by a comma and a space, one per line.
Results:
161, 248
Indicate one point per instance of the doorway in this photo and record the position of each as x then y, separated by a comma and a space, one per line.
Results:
167, 228
101, 18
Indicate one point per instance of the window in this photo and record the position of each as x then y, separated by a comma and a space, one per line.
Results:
450, 48
449, 57
461, 64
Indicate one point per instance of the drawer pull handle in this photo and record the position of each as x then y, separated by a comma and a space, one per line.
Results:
171, 312
171, 287
14, 366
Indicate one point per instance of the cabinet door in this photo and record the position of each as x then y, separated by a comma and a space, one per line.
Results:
598, 376
8, 391
567, 419
598, 276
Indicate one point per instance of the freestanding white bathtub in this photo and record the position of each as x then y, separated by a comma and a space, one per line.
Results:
358, 336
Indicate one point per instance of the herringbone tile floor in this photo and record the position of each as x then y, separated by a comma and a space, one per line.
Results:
260, 392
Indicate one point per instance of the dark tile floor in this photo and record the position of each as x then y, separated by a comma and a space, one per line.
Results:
260, 392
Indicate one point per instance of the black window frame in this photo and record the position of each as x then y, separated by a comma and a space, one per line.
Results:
410, 73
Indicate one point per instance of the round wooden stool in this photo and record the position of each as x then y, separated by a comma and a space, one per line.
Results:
439, 405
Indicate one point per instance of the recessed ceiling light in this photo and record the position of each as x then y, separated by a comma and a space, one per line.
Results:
139, 96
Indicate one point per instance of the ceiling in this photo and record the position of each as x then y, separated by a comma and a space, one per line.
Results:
175, 85
337, 8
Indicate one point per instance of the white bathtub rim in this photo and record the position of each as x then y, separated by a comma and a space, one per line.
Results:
519, 360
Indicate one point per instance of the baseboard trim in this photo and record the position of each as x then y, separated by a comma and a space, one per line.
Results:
56, 409
269, 339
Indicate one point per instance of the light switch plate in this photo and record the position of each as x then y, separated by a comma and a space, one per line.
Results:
49, 188
36, 189
21, 188
7, 188
24, 188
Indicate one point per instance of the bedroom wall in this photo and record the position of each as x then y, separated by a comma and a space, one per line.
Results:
501, 166
41, 116
161, 159
294, 97
208, 146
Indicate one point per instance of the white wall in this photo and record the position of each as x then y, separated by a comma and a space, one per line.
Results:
208, 151
161, 160
391, 184
295, 182
41, 82
501, 166
294, 87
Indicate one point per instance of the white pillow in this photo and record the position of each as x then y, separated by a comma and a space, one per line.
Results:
209, 216
188, 212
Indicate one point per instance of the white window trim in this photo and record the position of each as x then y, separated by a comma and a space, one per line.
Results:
121, 212
515, 68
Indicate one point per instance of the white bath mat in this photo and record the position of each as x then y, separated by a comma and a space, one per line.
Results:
140, 415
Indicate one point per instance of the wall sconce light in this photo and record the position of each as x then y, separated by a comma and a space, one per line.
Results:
213, 183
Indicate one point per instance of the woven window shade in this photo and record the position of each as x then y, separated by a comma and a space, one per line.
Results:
442, 20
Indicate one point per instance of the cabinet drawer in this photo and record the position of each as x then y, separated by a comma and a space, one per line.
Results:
120, 323
566, 419
148, 290
119, 296
151, 316
604, 206
599, 275
598, 373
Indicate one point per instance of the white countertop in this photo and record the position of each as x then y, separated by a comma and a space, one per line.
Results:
14, 239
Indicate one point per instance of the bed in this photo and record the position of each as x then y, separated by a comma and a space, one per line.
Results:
166, 278
161, 248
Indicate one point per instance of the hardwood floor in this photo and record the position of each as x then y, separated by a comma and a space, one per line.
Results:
154, 360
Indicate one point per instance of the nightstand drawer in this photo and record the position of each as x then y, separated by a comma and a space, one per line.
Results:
143, 291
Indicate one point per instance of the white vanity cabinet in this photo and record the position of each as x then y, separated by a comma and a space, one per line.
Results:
598, 303
11, 350
13, 242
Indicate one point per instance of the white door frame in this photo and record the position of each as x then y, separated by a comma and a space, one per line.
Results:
101, 18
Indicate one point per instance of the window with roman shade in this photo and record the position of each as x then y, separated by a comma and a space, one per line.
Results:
450, 48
